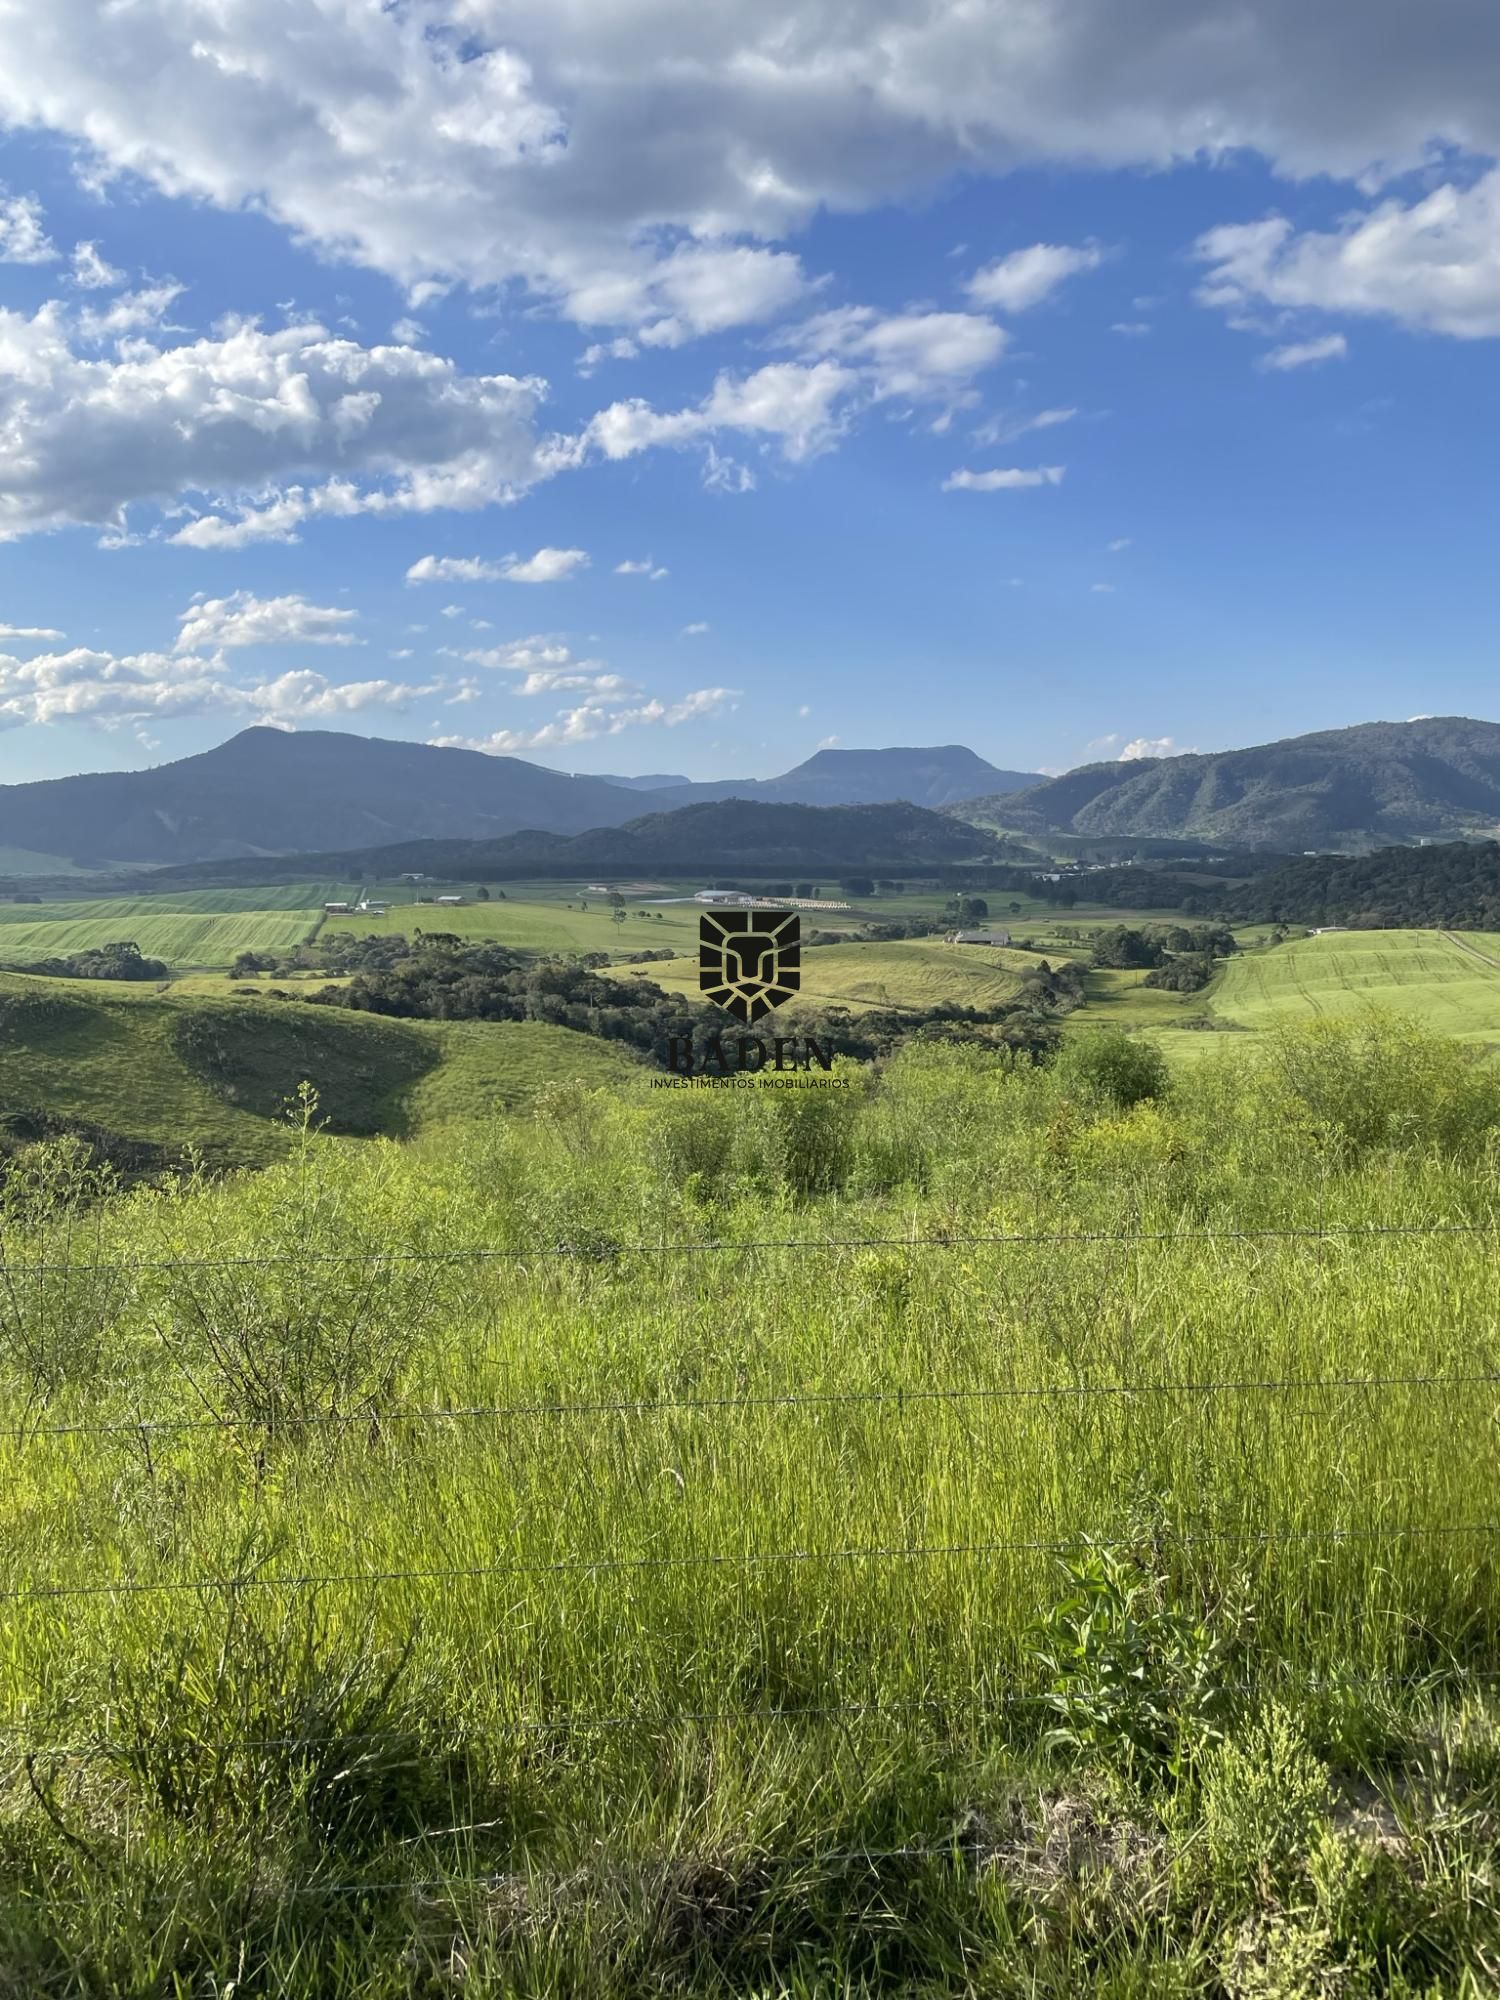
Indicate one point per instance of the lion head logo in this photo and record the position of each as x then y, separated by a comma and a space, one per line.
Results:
749, 961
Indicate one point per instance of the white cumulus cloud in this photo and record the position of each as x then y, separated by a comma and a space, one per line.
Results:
1431, 264
108, 691
223, 623
920, 355
1155, 746
787, 402
240, 416
23, 239
546, 566
91, 271
1004, 479
851, 358
598, 717
305, 696
1026, 277
1305, 353
636, 163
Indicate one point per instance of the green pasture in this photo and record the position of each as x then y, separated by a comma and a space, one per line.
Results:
309, 896
212, 1066
487, 1068
1450, 982
176, 937
559, 923
26, 861
916, 973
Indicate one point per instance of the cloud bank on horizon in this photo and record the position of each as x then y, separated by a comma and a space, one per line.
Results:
591, 261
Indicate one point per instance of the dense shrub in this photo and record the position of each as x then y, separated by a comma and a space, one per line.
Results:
103, 961
1119, 1069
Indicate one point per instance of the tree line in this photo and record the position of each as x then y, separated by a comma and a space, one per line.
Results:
456, 980
1452, 886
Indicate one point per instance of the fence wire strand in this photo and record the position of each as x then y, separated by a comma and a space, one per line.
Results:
604, 1252
961, 1849
718, 1560
1454, 1680
899, 1397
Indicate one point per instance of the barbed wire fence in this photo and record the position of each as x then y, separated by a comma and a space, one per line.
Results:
1452, 1681
605, 1250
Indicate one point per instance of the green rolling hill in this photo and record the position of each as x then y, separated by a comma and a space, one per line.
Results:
143, 1073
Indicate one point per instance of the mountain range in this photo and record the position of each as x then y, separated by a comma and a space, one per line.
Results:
269, 792
1375, 784
714, 838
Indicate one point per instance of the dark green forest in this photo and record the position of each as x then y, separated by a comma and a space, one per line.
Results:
1454, 886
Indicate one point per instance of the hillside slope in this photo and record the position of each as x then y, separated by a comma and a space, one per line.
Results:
725, 837
142, 1074
1451, 985
1454, 886
1378, 782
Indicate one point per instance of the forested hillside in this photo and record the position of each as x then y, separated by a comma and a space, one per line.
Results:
1373, 784
1454, 886
722, 837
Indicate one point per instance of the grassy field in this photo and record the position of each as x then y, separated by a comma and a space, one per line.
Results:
24, 861
915, 972
161, 1071
545, 924
420, 1574
1452, 983
489, 1067
175, 937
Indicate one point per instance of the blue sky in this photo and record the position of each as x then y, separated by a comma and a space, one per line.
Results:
973, 374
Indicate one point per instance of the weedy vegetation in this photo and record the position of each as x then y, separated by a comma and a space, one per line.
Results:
981, 1530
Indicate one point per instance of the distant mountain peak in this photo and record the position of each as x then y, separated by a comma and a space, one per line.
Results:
944, 775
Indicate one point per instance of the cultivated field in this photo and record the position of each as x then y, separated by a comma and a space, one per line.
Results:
1450, 982
309, 896
436, 1557
539, 922
175, 937
915, 973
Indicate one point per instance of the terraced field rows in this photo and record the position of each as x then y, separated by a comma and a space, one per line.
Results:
1452, 985
175, 936
309, 896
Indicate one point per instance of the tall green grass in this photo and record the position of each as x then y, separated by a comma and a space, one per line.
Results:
598, 1532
